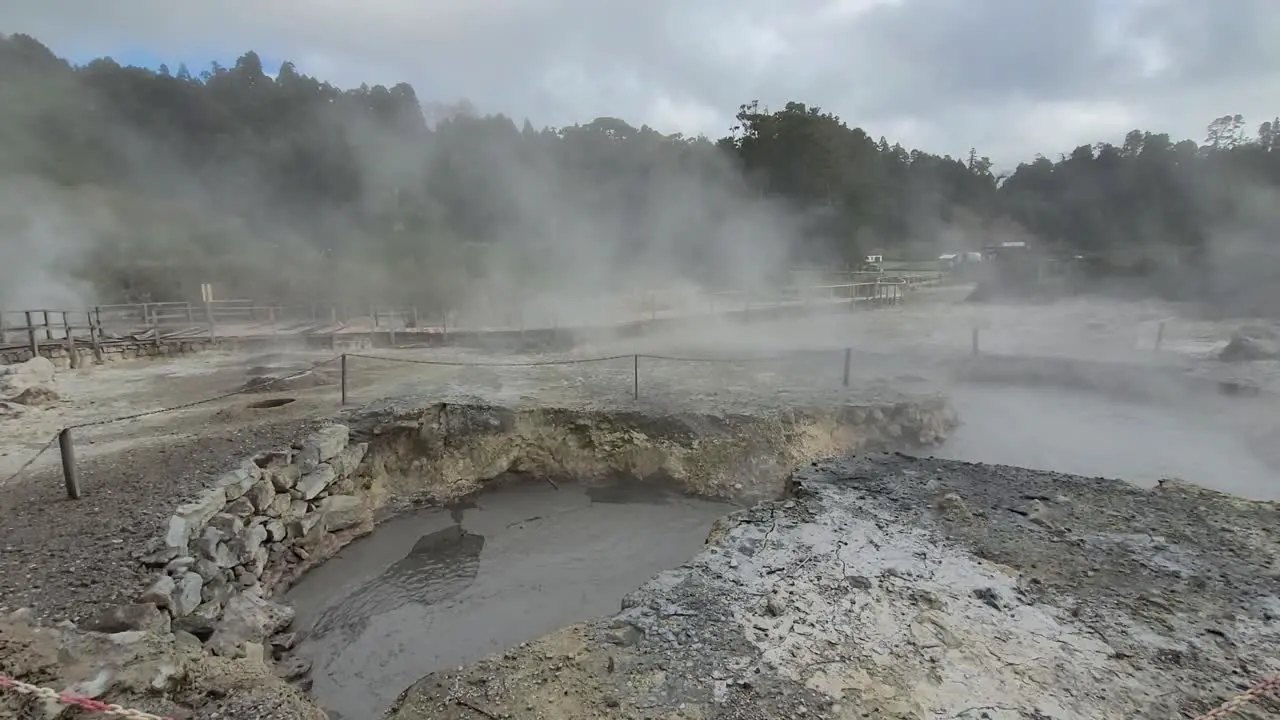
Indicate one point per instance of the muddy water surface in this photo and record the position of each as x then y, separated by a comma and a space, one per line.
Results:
434, 589
1090, 434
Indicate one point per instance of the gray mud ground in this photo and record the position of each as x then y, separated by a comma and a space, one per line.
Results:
425, 594
894, 587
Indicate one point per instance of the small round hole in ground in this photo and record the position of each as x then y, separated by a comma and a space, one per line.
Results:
272, 403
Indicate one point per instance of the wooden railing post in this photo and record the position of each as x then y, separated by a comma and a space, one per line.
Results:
93, 338
31, 335
73, 358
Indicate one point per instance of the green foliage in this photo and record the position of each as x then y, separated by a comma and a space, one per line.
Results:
287, 186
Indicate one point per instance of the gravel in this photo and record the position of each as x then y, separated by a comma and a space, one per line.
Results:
69, 559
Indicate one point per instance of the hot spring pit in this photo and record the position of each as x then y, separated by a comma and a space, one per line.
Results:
272, 403
512, 550
434, 589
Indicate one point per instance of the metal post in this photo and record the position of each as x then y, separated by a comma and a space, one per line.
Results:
31, 335
975, 340
848, 358
48, 331
635, 376
1159, 336
69, 478
344, 378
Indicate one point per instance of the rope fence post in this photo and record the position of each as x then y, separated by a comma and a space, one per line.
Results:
69, 476
73, 358
848, 359
344, 378
635, 377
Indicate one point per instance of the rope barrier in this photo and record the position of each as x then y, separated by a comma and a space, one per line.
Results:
531, 363
135, 416
67, 698
1269, 685
30, 460
185, 406
604, 358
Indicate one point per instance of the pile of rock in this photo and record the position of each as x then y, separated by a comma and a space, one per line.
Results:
1252, 342
226, 551
25, 385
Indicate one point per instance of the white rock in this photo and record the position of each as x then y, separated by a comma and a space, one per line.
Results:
314, 483
227, 524
191, 517
36, 372
236, 482
160, 593
261, 494
187, 596
275, 530
330, 440
284, 478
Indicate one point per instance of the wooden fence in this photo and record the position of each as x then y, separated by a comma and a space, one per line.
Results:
103, 326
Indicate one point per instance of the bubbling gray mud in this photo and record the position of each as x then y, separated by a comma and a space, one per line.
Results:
435, 589
1090, 434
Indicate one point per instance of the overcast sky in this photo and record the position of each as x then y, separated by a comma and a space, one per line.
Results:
1010, 77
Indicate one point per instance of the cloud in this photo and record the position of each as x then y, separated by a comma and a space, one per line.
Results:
1010, 77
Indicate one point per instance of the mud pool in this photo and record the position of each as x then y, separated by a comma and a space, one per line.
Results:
1220, 447
437, 588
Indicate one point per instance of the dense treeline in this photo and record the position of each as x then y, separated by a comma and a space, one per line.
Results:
271, 184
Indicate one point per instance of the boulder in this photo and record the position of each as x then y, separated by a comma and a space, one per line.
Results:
188, 519
248, 618
341, 512
186, 596
129, 618
315, 482
1251, 344
37, 372
36, 397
